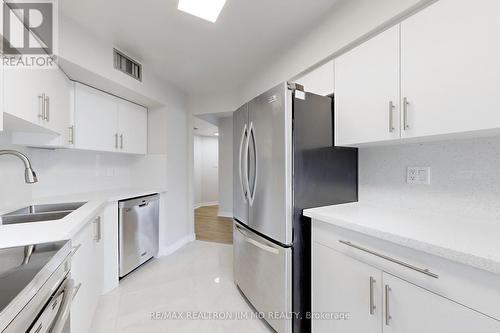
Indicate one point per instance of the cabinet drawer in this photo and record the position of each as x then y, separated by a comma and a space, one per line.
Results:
474, 288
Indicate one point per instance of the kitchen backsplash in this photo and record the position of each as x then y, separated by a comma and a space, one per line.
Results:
62, 172
465, 177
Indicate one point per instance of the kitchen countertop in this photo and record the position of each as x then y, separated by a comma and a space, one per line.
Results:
464, 240
43, 232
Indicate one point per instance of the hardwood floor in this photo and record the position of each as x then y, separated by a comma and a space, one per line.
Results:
212, 228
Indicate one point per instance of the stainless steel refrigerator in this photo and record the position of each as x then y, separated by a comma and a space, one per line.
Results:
284, 162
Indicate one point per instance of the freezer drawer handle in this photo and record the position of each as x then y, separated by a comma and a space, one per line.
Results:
396, 261
258, 244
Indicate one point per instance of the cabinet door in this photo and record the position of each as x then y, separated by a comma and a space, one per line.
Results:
412, 309
132, 127
24, 87
367, 91
87, 271
96, 119
23, 93
319, 81
449, 68
58, 104
344, 285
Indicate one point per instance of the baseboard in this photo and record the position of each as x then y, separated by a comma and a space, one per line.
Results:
177, 245
205, 204
226, 214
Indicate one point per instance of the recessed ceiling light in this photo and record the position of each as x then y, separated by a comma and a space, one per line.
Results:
206, 9
216, 133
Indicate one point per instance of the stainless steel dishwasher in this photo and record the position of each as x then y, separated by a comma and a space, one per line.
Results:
138, 230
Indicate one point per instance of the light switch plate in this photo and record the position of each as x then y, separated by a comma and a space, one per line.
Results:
418, 175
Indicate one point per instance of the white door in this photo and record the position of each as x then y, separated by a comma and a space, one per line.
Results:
450, 67
58, 104
412, 309
96, 120
87, 271
24, 86
132, 127
23, 93
344, 285
367, 91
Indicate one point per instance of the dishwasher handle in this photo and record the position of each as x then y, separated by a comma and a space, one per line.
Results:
139, 202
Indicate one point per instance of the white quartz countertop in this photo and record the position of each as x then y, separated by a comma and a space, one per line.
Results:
65, 228
468, 241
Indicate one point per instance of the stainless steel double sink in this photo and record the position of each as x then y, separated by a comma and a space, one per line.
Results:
40, 213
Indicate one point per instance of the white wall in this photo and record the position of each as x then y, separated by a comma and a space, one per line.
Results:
206, 174
226, 167
61, 172
13, 189
89, 59
350, 23
465, 177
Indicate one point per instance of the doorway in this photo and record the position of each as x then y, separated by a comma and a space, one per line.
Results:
209, 225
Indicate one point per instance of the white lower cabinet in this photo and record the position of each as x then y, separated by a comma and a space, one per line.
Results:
344, 285
87, 271
377, 301
412, 309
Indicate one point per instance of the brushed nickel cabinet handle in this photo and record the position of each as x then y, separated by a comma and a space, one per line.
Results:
372, 302
121, 141
71, 139
97, 229
406, 125
396, 261
391, 116
41, 106
47, 108
387, 307
116, 140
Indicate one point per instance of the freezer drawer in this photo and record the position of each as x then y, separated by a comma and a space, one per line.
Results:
138, 232
262, 271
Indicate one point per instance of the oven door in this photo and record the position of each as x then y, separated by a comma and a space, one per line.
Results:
55, 316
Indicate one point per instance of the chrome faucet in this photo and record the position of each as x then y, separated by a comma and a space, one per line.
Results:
29, 174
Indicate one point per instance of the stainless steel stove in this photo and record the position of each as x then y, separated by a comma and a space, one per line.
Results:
36, 289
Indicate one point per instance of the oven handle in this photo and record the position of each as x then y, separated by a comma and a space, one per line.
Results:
68, 290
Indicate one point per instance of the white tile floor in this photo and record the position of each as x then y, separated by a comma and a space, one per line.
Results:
199, 278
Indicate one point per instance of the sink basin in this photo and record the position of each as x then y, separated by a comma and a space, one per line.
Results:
41, 217
40, 213
48, 208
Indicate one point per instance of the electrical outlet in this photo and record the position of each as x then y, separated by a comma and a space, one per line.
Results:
418, 175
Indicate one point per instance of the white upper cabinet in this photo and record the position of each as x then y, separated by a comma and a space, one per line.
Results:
37, 99
319, 81
133, 127
103, 122
450, 69
95, 120
367, 91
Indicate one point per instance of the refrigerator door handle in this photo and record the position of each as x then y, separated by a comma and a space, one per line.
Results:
244, 185
252, 190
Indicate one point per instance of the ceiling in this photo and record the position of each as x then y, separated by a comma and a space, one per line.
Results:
204, 128
195, 55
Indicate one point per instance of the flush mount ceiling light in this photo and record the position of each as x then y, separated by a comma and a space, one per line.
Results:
206, 9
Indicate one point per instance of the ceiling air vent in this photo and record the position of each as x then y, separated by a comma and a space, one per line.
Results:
127, 65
